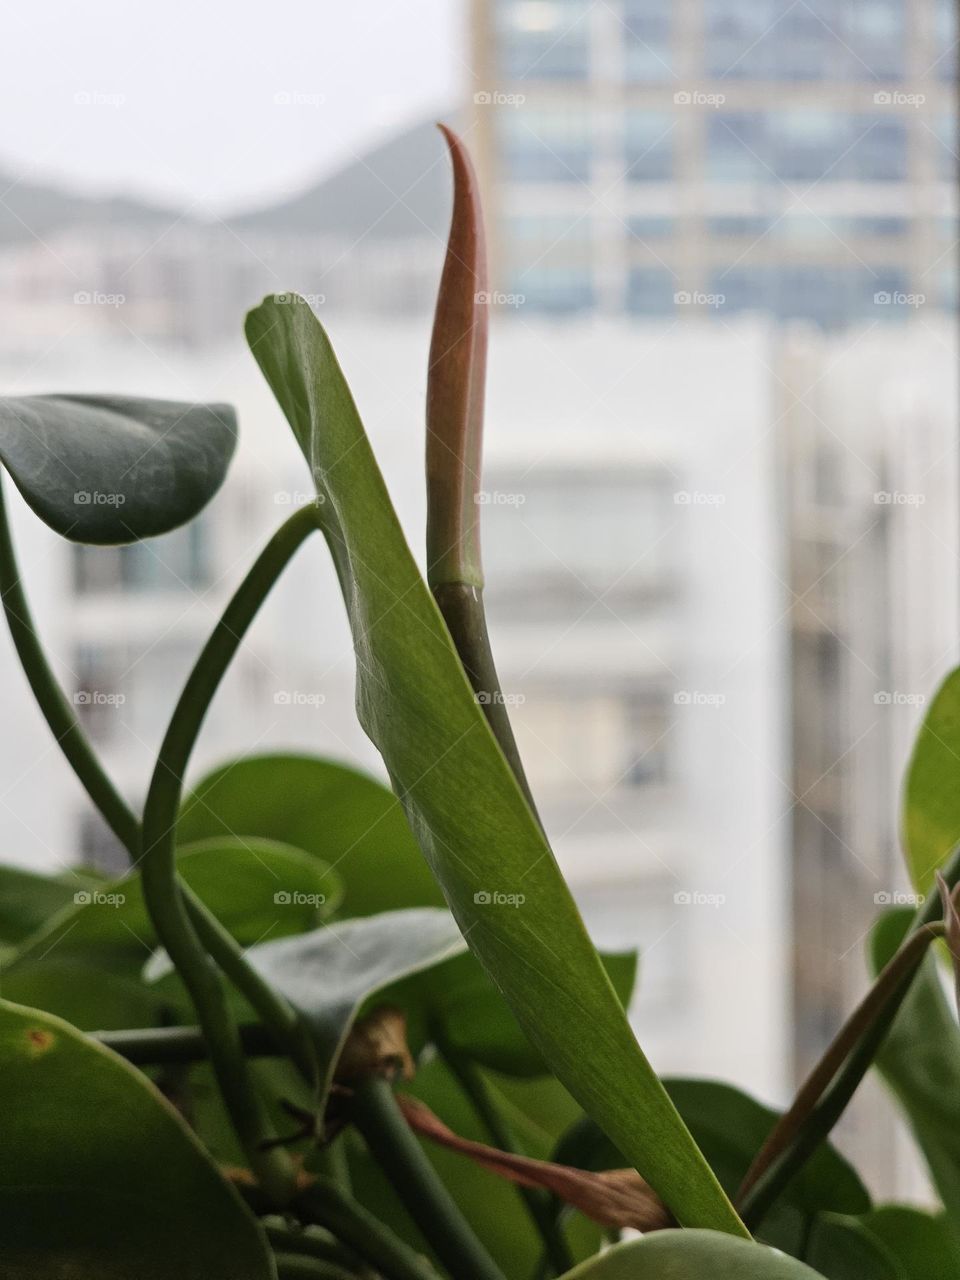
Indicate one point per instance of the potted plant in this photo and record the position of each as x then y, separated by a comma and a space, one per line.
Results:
430, 1073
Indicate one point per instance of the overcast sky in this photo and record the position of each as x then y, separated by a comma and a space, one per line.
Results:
223, 104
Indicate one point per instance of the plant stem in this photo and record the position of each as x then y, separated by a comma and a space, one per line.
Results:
301, 1266
57, 711
120, 818
325, 1205
413, 1177
167, 1046
161, 889
829, 1088
461, 604
538, 1206
312, 1245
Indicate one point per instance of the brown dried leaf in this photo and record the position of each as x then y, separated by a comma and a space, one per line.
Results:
377, 1045
613, 1197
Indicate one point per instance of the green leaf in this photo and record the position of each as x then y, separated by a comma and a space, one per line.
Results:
475, 828
924, 1245
98, 1174
332, 973
730, 1127
920, 1061
27, 900
476, 1023
844, 1248
691, 1255
342, 815
109, 469
931, 807
256, 887
88, 996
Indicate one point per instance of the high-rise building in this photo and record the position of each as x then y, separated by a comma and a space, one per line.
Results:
794, 157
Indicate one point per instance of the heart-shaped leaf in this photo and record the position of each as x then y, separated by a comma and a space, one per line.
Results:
340, 814
920, 1061
255, 887
28, 900
691, 1255
931, 801
925, 1245
89, 996
98, 1174
112, 469
844, 1248
331, 973
461, 799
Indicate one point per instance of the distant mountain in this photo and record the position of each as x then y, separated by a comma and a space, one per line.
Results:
400, 189
29, 210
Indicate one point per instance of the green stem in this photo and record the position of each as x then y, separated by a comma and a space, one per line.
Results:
413, 1177
538, 1205
120, 818
324, 1204
301, 1266
312, 1245
167, 1046
827, 1092
57, 711
165, 903
461, 605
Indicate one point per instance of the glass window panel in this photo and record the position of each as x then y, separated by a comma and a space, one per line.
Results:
544, 39
545, 146
649, 146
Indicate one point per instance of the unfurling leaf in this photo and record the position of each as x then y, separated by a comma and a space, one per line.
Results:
613, 1198
455, 387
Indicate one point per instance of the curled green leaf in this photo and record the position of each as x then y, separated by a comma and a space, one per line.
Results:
115, 469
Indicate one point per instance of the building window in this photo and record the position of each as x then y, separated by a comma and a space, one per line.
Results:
829, 297
650, 291
806, 146
544, 39
647, 56
175, 561
814, 40
649, 146
545, 146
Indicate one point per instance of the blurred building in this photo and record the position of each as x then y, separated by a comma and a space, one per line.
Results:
646, 159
